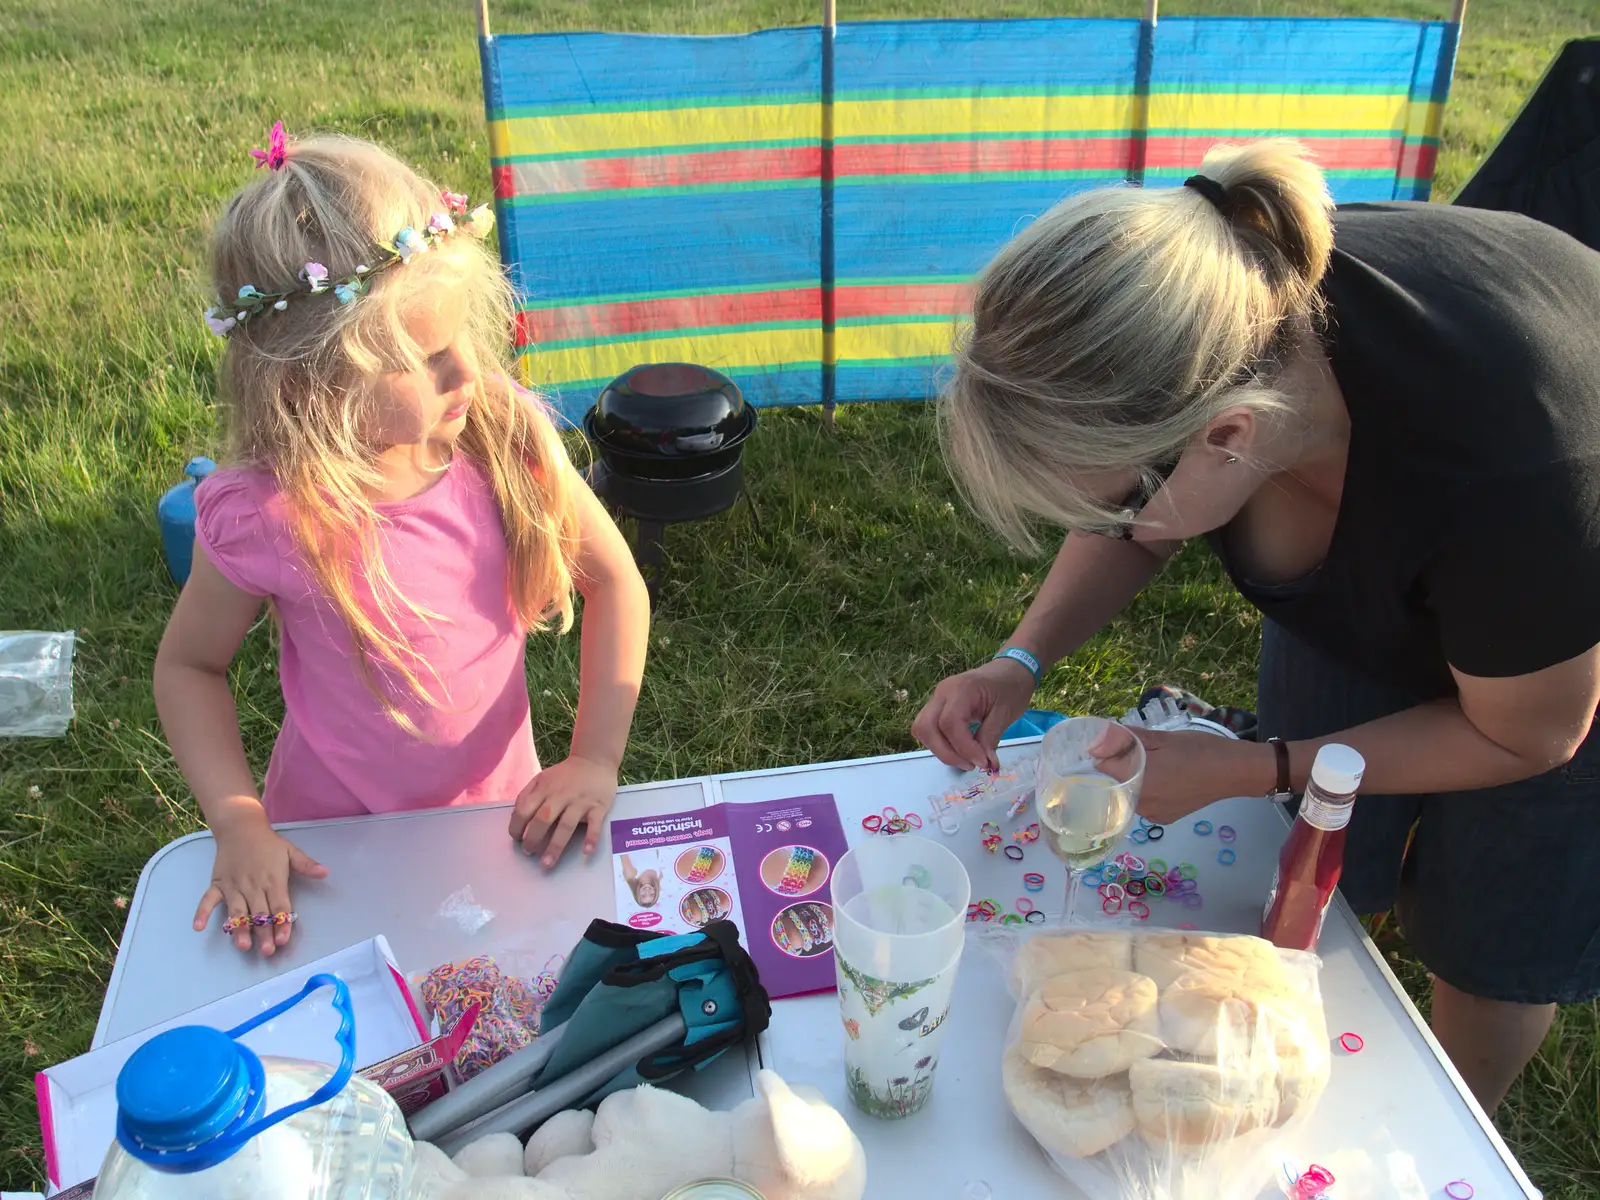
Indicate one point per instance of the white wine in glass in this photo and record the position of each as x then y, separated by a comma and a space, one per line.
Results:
1087, 801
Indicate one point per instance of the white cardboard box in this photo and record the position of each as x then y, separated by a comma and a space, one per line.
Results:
77, 1099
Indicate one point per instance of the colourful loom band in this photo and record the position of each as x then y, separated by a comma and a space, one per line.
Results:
1111, 907
1203, 828
798, 871
1134, 887
1139, 837
1023, 900
1156, 832
890, 812
1154, 885
1157, 866
1226, 856
989, 907
1353, 1043
1459, 1189
898, 825
1113, 891
1039, 913
1139, 909
872, 823
1091, 878
1226, 833
1134, 863
1011, 919
1033, 881
913, 820
1187, 870
1014, 853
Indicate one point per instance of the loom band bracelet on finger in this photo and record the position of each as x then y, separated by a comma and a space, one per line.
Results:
1033, 881
285, 918
1014, 853
261, 920
1036, 917
1226, 833
1139, 909
1203, 828
234, 924
1226, 856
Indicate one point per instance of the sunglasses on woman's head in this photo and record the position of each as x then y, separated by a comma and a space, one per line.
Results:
1128, 510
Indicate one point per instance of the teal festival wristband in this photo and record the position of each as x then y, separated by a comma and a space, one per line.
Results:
1019, 655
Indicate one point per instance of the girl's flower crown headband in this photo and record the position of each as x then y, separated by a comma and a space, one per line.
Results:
314, 280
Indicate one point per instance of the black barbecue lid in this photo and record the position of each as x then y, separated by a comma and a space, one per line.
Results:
670, 409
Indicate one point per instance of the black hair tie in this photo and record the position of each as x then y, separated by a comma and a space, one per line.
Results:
1209, 188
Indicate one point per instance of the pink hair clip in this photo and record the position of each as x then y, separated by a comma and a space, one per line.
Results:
277, 151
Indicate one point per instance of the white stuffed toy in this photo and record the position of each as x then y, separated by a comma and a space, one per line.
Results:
644, 1142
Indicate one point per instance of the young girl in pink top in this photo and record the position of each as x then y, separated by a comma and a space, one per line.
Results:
408, 514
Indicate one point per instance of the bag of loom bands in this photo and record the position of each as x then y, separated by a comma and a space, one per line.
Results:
508, 991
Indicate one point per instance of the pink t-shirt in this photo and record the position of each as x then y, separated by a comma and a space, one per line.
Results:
338, 753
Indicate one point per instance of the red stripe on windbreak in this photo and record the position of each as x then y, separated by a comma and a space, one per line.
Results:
710, 166
903, 299
1418, 161
630, 317
995, 154
504, 185
1184, 152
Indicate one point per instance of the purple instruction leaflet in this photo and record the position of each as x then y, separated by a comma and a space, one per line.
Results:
765, 865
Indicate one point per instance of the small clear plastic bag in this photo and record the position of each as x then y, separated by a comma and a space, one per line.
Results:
1162, 1065
35, 683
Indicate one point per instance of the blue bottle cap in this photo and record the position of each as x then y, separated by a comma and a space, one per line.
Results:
184, 1087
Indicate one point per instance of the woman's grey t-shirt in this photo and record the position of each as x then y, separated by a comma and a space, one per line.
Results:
1467, 345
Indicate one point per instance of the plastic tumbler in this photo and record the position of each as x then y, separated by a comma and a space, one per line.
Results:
900, 908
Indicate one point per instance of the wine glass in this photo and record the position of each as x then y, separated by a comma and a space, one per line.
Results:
1087, 801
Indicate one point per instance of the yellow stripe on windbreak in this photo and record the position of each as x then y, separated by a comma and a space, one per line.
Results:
1425, 119
598, 133
914, 339
980, 114
720, 351
1285, 111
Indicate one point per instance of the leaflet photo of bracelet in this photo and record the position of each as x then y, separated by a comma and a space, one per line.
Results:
794, 870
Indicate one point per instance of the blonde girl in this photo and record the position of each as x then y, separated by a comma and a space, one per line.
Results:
1386, 419
408, 514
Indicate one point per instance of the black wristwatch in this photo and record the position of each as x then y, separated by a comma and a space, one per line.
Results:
1284, 790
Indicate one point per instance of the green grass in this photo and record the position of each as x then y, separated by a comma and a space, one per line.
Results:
126, 126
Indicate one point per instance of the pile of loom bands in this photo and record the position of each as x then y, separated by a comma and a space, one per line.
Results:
798, 871
991, 836
890, 821
1146, 831
704, 859
508, 1008
1127, 883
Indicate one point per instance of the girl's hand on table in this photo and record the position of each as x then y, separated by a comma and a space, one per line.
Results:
250, 877
576, 791
1185, 771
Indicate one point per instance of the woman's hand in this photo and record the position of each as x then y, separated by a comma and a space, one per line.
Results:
1189, 770
576, 791
250, 876
993, 695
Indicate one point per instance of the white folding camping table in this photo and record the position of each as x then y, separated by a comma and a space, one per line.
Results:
1396, 1120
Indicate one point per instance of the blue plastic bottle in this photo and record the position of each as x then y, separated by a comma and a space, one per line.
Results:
201, 1116
175, 515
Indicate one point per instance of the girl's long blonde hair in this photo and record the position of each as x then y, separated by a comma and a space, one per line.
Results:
1114, 328
297, 389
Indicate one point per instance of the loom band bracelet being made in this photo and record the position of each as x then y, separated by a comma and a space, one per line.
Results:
1028, 833
1225, 856
1014, 853
1034, 881
1226, 833
1203, 828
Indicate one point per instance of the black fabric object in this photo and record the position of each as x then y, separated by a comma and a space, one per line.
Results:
1547, 164
1468, 531
1209, 188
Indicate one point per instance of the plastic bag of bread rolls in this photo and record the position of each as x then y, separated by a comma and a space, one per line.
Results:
1160, 1064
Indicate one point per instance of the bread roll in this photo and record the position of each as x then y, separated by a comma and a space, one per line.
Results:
1226, 1013
1165, 956
1300, 1080
1042, 958
1090, 1024
1068, 1117
1192, 1103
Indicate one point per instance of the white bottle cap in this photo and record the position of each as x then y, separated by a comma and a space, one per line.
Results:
1337, 769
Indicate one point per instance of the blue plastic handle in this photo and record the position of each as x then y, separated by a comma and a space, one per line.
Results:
346, 1037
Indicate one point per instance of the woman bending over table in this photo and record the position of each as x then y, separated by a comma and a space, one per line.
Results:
1386, 420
